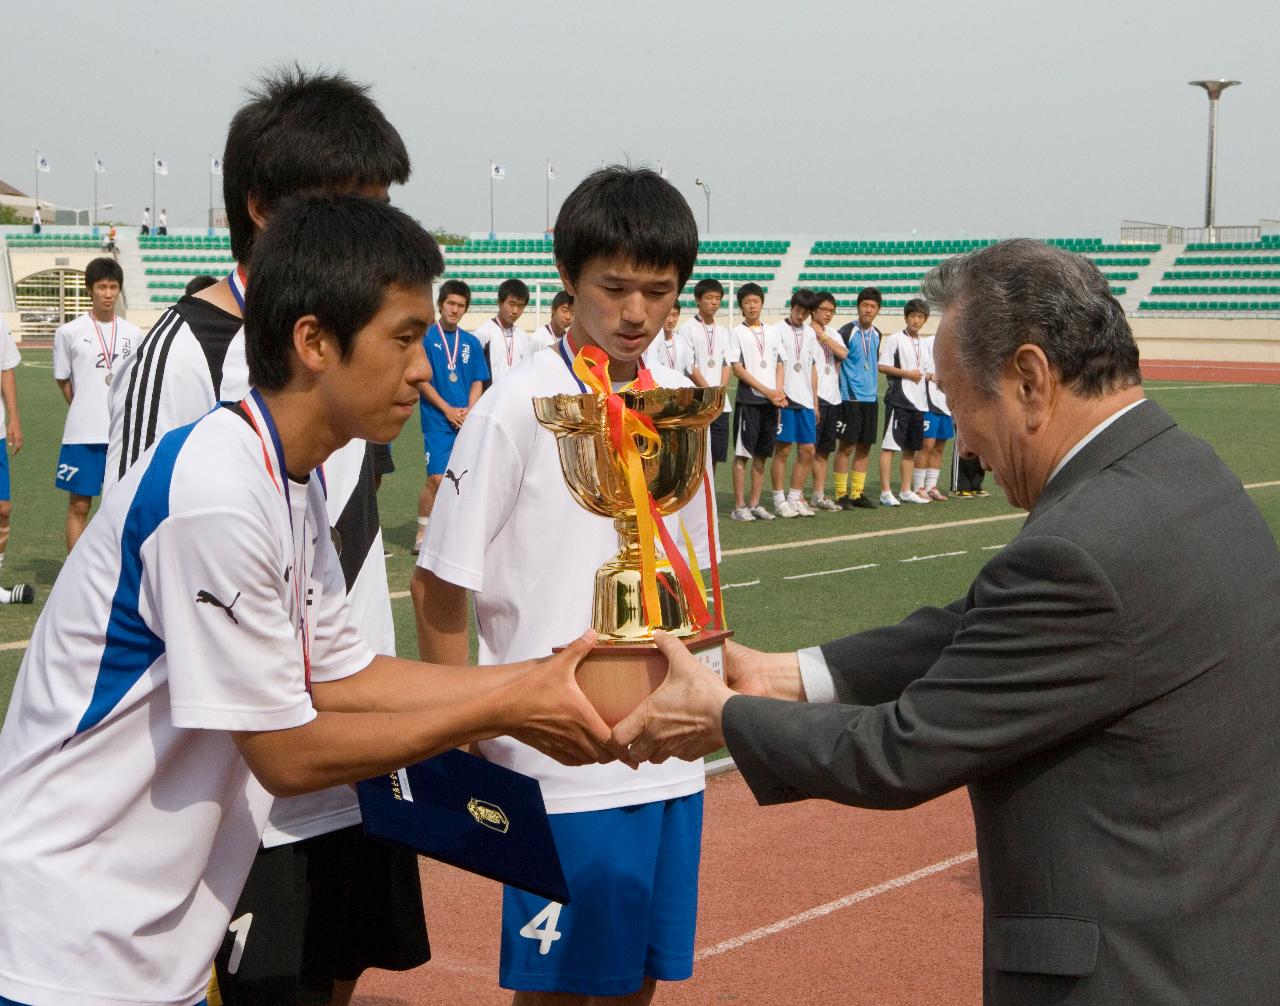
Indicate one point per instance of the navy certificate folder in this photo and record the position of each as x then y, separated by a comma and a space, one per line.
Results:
469, 813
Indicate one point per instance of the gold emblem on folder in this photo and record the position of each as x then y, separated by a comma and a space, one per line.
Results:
488, 814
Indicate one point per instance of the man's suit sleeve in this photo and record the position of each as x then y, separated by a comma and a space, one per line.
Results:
1041, 655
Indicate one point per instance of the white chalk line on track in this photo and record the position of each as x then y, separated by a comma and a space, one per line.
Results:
782, 925
1202, 387
829, 572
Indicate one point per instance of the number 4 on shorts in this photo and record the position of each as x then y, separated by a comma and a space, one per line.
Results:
547, 919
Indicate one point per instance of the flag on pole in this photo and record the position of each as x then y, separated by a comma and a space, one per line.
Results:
215, 166
497, 172
98, 166
161, 168
551, 172
42, 163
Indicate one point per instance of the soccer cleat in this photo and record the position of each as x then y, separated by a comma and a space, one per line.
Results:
888, 499
787, 509
964, 494
845, 502
907, 496
934, 494
803, 508
760, 513
22, 593
826, 504
981, 492
863, 502
742, 513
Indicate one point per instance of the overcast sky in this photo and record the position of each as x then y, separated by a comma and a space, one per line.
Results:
842, 118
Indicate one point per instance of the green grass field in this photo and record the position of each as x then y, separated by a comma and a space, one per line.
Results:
790, 583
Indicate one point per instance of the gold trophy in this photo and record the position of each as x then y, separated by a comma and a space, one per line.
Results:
626, 666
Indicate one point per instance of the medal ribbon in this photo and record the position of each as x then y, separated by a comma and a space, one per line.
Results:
108, 355
451, 359
509, 340
239, 281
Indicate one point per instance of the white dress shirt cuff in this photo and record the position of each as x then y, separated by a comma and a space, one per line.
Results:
819, 686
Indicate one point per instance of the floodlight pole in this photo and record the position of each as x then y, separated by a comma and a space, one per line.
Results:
95, 194
706, 191
155, 211
1214, 89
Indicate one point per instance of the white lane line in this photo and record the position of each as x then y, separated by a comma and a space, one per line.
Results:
848, 900
830, 572
745, 583
1262, 485
40, 366
937, 555
887, 532
991, 548
1203, 387
20, 644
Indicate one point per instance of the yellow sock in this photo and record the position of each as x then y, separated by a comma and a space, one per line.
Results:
842, 484
859, 483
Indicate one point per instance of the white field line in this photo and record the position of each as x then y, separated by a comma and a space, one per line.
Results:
830, 572
991, 548
38, 366
938, 555
782, 925
735, 586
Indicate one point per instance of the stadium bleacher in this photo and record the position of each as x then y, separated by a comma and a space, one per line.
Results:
1236, 282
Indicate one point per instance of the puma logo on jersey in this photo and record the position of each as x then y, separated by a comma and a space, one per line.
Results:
455, 479
204, 597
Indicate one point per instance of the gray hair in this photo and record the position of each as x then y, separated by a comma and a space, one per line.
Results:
1023, 291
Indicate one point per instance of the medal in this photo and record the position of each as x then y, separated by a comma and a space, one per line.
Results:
107, 379
797, 368
828, 370
715, 362
451, 358
108, 352
453, 376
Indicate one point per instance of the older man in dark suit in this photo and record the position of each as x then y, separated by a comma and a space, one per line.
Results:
1109, 688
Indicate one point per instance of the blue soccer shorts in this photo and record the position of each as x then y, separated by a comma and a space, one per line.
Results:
938, 426
796, 425
632, 874
437, 446
81, 468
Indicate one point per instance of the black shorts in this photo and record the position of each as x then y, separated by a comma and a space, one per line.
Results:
905, 428
755, 428
857, 422
720, 437
323, 910
828, 421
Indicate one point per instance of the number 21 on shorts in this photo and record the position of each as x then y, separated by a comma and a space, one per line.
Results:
542, 927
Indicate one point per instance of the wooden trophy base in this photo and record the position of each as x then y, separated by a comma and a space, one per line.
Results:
617, 677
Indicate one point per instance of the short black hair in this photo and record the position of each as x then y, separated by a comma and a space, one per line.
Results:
870, 293
197, 283
707, 286
824, 297
453, 286
299, 132
916, 306
805, 298
102, 268
561, 298
516, 288
332, 256
627, 211
749, 290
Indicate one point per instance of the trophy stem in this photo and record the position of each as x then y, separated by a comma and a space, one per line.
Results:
617, 610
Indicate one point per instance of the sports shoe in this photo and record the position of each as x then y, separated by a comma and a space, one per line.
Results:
845, 503
981, 492
888, 499
742, 513
964, 494
802, 505
826, 504
760, 513
863, 502
934, 494
22, 593
787, 509
907, 496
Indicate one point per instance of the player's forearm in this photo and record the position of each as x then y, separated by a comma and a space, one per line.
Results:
477, 389
67, 391
393, 685
9, 394
894, 371
697, 378
745, 378
440, 613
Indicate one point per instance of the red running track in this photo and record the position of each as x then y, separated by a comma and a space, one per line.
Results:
1205, 370
898, 920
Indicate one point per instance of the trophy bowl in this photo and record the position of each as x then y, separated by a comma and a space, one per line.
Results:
626, 666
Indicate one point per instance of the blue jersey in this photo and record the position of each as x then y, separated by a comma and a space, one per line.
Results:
859, 372
457, 353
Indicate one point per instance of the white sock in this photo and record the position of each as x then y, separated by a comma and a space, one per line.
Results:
422, 522
6, 596
779, 497
931, 478
917, 479
819, 494
793, 495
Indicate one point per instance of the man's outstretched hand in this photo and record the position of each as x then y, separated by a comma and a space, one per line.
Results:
681, 719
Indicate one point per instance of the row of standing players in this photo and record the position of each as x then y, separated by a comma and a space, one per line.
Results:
801, 383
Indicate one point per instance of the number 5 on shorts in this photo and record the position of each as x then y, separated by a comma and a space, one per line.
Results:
547, 919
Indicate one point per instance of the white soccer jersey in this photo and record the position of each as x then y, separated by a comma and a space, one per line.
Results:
545, 337
86, 351
759, 350
192, 358
9, 358
802, 355
709, 345
175, 622
901, 351
937, 397
828, 369
674, 354
504, 347
511, 533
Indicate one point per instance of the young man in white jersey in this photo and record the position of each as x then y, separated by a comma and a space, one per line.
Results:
324, 923
197, 655
505, 343
758, 360
831, 353
87, 354
625, 243
19, 593
904, 359
797, 420
561, 318
939, 427
668, 349
859, 405
708, 342
145, 229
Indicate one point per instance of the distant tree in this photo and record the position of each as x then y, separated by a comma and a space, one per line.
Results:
448, 237
8, 215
